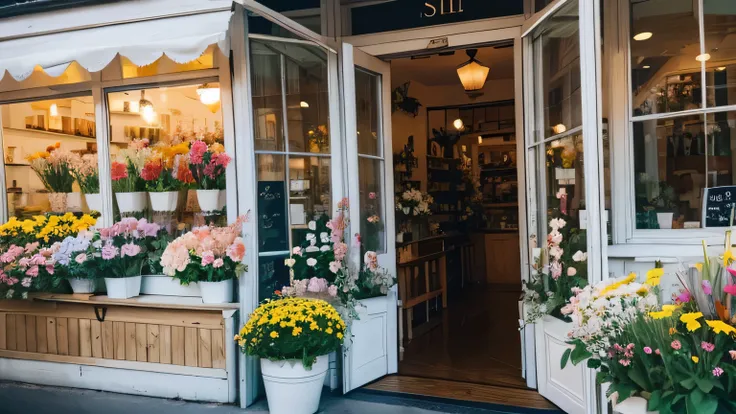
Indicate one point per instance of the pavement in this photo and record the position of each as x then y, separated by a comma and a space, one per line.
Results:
18, 398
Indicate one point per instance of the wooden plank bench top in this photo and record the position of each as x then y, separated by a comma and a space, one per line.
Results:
143, 301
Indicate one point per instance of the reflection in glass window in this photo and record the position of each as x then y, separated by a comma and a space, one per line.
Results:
559, 72
168, 154
50, 156
719, 21
292, 140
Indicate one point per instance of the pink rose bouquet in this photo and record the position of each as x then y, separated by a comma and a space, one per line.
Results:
122, 248
206, 254
208, 165
26, 268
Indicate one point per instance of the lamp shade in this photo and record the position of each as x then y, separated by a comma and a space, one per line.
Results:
472, 73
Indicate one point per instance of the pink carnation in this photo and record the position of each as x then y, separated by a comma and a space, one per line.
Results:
109, 251
676, 345
199, 148
218, 263
340, 250
207, 258
32, 271
317, 285
130, 249
81, 258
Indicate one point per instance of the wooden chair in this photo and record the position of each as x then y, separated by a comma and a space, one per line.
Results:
421, 280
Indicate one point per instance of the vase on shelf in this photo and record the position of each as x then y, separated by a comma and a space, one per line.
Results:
74, 202
209, 200
131, 202
217, 292
58, 202
123, 287
164, 201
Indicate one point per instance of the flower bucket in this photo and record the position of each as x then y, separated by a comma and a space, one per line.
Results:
82, 285
123, 287
632, 405
58, 202
74, 202
165, 201
167, 286
292, 389
217, 292
131, 202
209, 200
94, 202
665, 220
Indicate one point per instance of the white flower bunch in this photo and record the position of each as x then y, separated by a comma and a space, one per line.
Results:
415, 203
600, 312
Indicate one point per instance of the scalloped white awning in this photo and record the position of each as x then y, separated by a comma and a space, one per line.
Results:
182, 39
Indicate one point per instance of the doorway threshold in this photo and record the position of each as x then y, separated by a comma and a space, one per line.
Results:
478, 396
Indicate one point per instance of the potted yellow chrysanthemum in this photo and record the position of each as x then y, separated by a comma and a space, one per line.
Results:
293, 337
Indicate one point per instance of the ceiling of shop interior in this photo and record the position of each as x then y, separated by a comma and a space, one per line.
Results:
442, 70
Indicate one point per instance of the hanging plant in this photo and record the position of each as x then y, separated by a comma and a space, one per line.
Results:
403, 102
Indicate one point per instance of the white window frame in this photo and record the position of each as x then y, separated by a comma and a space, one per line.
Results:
621, 132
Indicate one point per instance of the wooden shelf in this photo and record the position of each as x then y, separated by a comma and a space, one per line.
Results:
500, 205
143, 301
58, 135
17, 165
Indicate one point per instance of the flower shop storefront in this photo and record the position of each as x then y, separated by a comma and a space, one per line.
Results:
157, 190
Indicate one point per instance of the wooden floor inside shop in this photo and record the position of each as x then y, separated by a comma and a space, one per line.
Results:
474, 340
454, 390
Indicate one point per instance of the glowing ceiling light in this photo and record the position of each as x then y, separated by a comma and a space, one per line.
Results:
304, 104
559, 128
458, 124
145, 107
721, 68
208, 95
54, 110
703, 58
472, 73
643, 36
480, 139
646, 67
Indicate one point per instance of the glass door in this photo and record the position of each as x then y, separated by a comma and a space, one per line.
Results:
367, 102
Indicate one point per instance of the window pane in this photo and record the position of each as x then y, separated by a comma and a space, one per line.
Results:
720, 129
564, 182
307, 100
665, 41
372, 217
273, 275
368, 107
39, 135
719, 23
309, 193
273, 218
267, 98
558, 74
669, 166
151, 132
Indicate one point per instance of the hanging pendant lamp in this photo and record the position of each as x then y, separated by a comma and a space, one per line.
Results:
472, 73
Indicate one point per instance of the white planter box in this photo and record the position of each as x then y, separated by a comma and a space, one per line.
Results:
217, 292
290, 388
633, 405
83, 285
567, 387
131, 202
168, 286
211, 200
164, 201
123, 287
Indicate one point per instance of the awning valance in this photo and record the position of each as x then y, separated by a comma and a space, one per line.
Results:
182, 39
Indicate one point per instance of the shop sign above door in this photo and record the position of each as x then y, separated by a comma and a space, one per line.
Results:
409, 14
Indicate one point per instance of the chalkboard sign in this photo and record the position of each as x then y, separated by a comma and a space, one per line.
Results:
718, 203
272, 218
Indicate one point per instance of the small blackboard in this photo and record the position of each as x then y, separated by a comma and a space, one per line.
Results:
272, 219
718, 204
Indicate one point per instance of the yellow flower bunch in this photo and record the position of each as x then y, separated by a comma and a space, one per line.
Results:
666, 312
292, 328
46, 230
613, 286
37, 155
167, 153
217, 148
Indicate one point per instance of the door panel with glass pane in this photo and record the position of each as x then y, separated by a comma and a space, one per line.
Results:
374, 352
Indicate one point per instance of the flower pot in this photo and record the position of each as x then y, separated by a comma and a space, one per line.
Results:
632, 405
217, 292
292, 389
94, 202
165, 201
82, 285
665, 220
209, 200
131, 202
74, 202
123, 287
167, 286
58, 202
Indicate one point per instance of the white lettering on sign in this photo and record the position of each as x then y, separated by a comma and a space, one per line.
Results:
720, 197
445, 7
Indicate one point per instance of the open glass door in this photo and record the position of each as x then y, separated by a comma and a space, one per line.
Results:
373, 352
564, 182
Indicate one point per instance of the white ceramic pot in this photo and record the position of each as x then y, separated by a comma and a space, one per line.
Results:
123, 287
632, 405
209, 200
94, 202
165, 201
167, 286
74, 202
217, 292
292, 389
82, 285
131, 202
665, 220
58, 202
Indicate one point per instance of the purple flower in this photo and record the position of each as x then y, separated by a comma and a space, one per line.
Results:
717, 371
109, 252
647, 350
707, 289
